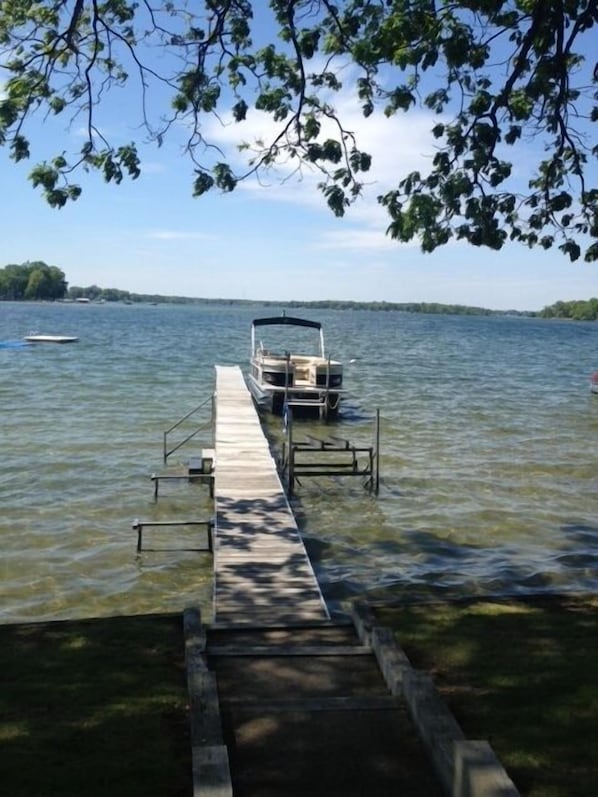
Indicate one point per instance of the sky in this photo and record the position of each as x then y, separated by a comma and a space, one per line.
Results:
273, 241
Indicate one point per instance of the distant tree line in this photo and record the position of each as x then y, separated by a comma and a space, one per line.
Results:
33, 281
94, 294
405, 307
36, 281
579, 310
97, 294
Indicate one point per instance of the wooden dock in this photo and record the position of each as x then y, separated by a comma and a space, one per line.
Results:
262, 574
283, 700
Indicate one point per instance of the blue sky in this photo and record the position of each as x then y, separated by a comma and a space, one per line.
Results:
277, 241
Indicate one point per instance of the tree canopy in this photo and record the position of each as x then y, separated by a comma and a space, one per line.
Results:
581, 310
32, 280
506, 82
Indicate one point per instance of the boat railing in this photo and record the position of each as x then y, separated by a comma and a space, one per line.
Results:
207, 424
287, 371
323, 396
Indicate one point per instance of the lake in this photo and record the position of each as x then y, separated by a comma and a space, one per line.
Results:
488, 456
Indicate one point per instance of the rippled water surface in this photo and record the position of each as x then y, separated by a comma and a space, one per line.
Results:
488, 456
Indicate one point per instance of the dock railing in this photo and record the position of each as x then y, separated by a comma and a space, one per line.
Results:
208, 424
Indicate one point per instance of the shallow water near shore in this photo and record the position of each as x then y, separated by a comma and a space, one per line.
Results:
488, 456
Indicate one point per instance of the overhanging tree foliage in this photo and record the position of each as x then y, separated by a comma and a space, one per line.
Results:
499, 77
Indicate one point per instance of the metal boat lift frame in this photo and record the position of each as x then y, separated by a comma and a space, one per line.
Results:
346, 460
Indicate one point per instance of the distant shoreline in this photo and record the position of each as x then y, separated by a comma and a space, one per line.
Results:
434, 308
37, 281
576, 310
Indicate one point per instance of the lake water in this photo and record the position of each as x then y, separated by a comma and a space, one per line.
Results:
488, 456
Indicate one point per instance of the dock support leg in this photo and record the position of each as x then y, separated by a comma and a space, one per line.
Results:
139, 529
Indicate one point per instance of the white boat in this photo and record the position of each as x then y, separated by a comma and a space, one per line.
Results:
309, 382
50, 339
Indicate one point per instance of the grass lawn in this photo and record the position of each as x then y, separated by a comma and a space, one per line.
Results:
99, 707
95, 707
521, 674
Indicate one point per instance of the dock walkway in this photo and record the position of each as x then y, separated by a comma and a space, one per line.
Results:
262, 574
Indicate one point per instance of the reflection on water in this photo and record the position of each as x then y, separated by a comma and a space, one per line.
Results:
488, 463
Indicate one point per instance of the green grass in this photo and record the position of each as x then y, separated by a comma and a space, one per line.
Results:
521, 674
94, 708
99, 707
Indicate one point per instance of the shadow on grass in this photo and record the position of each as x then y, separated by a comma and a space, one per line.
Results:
94, 707
520, 673
99, 707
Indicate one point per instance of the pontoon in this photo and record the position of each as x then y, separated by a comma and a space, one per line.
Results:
307, 382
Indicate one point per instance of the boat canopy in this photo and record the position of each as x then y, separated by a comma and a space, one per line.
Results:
286, 319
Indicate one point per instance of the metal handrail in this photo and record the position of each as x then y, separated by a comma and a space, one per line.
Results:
166, 452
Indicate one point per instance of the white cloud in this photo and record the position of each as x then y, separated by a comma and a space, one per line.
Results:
152, 167
403, 141
177, 235
398, 145
356, 239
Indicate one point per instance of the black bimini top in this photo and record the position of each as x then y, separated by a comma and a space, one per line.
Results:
286, 319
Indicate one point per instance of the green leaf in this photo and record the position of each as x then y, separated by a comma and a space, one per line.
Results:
240, 111
591, 254
223, 177
19, 148
202, 183
336, 199
572, 249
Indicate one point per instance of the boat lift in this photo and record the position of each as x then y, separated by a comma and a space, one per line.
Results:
332, 456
